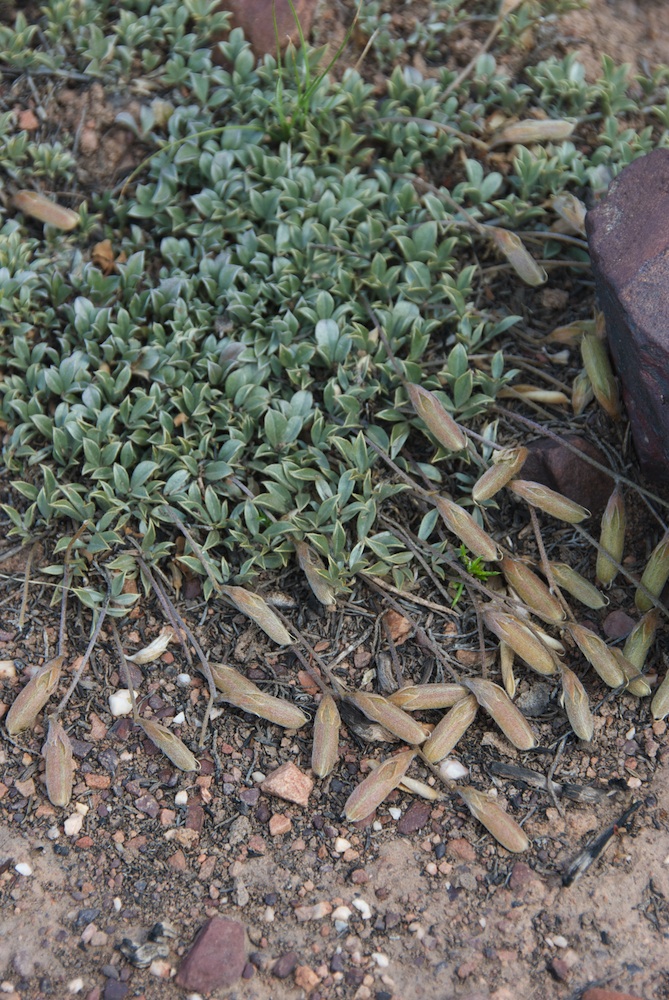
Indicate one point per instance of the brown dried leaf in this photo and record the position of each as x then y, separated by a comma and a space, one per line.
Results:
59, 764
570, 333
641, 638
497, 704
502, 826
577, 705
659, 706
31, 699
636, 683
581, 393
450, 729
170, 744
534, 394
597, 365
155, 649
571, 209
655, 575
416, 697
44, 210
378, 784
259, 611
389, 715
506, 657
532, 130
325, 750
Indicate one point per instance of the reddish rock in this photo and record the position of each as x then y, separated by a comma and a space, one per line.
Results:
462, 849
415, 818
560, 969
598, 994
617, 625
554, 465
216, 958
194, 817
629, 248
284, 965
289, 783
521, 875
256, 19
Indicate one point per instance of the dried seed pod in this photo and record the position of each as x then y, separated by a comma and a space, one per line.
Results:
420, 788
641, 638
598, 655
378, 784
507, 463
417, 697
534, 394
463, 525
611, 538
32, 698
243, 693
499, 706
506, 657
635, 682
531, 589
659, 706
571, 209
581, 393
426, 405
58, 764
154, 649
44, 210
597, 365
571, 333
518, 256
549, 501
576, 705
655, 575
503, 827
577, 586
313, 568
170, 744
258, 611
325, 750
389, 715
450, 729
522, 640
534, 130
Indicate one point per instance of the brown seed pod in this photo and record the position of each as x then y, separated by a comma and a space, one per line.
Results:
531, 130
531, 589
655, 575
635, 681
506, 658
503, 827
325, 749
507, 463
390, 716
259, 611
571, 209
597, 365
417, 697
32, 698
499, 706
463, 525
577, 586
641, 638
450, 729
522, 639
170, 744
313, 568
598, 655
58, 764
44, 210
377, 786
581, 393
243, 693
549, 501
576, 705
659, 706
611, 538
518, 256
437, 420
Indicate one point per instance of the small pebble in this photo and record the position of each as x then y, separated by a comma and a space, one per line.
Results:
395, 812
75, 985
53, 833
183, 680
364, 908
381, 960
341, 845
179, 719
23, 869
120, 702
73, 824
453, 769
181, 798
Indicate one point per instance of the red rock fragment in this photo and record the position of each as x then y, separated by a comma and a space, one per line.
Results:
415, 818
559, 968
216, 958
285, 964
256, 18
599, 994
617, 625
289, 783
462, 849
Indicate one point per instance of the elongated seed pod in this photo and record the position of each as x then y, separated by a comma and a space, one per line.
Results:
32, 698
518, 256
58, 764
576, 705
506, 657
598, 655
641, 638
391, 716
636, 683
325, 748
611, 538
571, 209
531, 130
534, 394
655, 575
581, 393
597, 365
659, 706
418, 697
420, 788
259, 611
313, 568
37, 206
507, 463
437, 420
577, 586
522, 640
154, 649
532, 590
378, 784
452, 727
549, 501
497, 704
170, 744
243, 693
463, 525
503, 827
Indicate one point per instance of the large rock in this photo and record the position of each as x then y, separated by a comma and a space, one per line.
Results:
256, 18
629, 246
216, 959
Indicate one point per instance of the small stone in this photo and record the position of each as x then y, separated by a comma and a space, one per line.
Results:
306, 978
257, 19
415, 818
23, 869
160, 968
359, 876
75, 985
596, 993
285, 964
148, 804
289, 783
617, 625
381, 960
28, 120
279, 824
181, 798
363, 908
73, 824
462, 849
120, 702
216, 959
521, 874
315, 912
115, 990
559, 968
